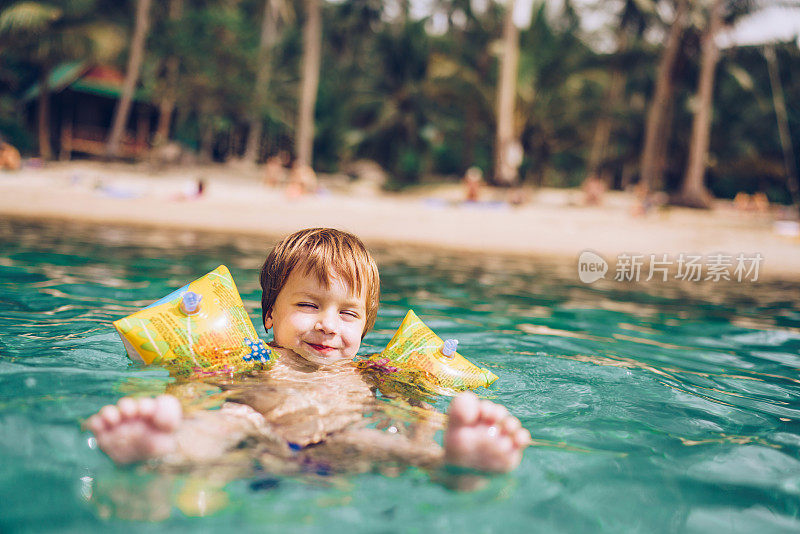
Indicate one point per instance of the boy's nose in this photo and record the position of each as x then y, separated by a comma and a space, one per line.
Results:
326, 323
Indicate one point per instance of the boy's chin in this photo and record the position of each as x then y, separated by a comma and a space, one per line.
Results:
320, 359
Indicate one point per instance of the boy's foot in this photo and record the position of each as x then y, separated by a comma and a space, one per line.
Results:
482, 435
137, 429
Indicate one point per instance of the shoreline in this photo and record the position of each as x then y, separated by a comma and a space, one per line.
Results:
551, 226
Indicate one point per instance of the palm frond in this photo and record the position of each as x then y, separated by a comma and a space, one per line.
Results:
28, 17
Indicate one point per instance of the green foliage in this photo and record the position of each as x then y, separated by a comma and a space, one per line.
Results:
12, 129
559, 96
415, 102
47, 33
748, 156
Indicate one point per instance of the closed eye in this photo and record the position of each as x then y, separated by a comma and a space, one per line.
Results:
307, 305
349, 313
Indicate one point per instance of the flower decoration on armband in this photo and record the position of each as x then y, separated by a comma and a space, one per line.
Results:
383, 366
259, 352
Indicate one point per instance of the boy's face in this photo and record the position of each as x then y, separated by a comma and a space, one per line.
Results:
323, 325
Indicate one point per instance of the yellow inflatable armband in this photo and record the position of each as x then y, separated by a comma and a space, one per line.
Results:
415, 347
201, 328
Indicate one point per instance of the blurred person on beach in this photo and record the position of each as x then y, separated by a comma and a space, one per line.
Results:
741, 202
313, 409
192, 191
518, 196
275, 170
10, 159
758, 202
473, 183
645, 200
593, 190
302, 180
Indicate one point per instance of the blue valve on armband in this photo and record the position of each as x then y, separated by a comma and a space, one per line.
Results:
190, 302
449, 347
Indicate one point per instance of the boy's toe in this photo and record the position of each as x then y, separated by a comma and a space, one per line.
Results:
522, 437
492, 413
147, 407
510, 425
168, 413
127, 408
110, 415
465, 409
95, 424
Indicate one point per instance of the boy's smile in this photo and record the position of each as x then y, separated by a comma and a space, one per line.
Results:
322, 324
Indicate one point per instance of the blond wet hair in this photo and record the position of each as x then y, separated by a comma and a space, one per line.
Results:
323, 253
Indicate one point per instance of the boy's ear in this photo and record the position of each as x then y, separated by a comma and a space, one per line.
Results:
268, 320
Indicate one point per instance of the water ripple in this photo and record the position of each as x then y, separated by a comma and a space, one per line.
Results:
653, 407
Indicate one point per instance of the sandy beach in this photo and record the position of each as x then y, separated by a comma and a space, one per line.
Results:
552, 224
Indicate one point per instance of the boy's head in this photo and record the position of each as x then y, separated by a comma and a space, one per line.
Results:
320, 290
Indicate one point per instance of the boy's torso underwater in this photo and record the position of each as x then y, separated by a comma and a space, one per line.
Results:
305, 404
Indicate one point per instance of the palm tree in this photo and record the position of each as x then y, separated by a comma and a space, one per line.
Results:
312, 50
693, 191
170, 82
135, 59
506, 144
657, 124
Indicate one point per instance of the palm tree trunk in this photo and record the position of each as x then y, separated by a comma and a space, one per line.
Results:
131, 77
663, 139
651, 171
312, 49
269, 30
167, 105
693, 191
43, 116
505, 172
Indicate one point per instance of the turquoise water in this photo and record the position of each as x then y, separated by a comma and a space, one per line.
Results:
654, 407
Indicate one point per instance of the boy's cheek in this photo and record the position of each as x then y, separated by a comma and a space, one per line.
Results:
355, 344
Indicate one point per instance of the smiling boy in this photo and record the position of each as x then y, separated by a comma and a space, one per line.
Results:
320, 292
